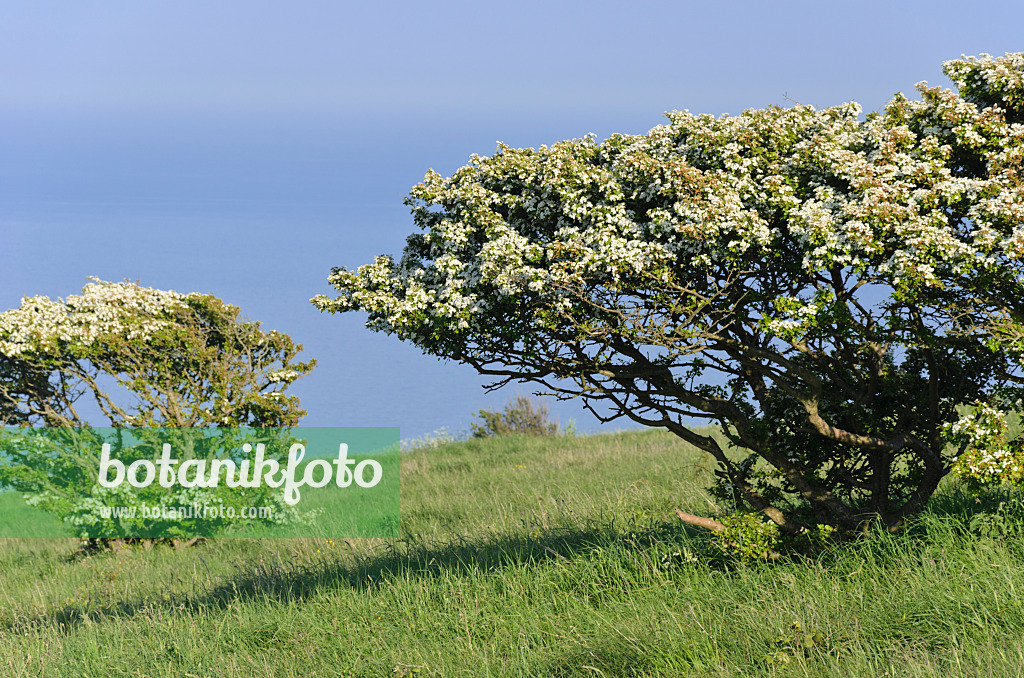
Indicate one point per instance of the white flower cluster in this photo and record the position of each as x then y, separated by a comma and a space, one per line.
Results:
796, 314
976, 427
994, 465
987, 458
103, 308
985, 73
702, 193
282, 377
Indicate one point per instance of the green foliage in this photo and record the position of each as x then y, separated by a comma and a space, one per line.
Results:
1005, 521
748, 537
751, 538
798, 643
813, 540
521, 416
143, 358
829, 288
177, 360
56, 469
986, 458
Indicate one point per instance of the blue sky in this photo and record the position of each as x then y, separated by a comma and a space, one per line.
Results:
244, 148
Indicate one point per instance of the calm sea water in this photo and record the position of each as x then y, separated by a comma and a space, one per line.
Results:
257, 215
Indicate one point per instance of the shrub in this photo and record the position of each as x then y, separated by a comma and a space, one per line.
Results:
521, 416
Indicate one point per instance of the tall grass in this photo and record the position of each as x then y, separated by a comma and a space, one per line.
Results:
529, 557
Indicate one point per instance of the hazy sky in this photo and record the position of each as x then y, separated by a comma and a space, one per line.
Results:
244, 148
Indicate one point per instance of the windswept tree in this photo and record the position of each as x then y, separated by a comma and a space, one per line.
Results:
827, 288
121, 355
144, 357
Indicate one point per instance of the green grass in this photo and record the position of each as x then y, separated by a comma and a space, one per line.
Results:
21, 519
526, 557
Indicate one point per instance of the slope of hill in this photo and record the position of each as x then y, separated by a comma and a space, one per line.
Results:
529, 557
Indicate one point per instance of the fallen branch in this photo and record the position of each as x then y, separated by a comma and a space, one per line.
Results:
706, 523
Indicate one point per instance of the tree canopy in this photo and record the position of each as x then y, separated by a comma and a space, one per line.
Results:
145, 357
829, 288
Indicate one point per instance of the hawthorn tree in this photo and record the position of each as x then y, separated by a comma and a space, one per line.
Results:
144, 357
141, 358
827, 288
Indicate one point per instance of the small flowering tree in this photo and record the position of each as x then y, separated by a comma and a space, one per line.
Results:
178, 360
824, 287
142, 358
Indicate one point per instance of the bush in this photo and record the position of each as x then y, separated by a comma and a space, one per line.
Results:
521, 416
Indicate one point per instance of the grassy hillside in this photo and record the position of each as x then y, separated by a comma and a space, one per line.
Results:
528, 557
